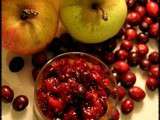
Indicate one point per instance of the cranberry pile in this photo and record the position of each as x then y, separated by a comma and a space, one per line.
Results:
74, 87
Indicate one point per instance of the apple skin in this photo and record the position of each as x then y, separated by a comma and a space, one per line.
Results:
86, 25
29, 36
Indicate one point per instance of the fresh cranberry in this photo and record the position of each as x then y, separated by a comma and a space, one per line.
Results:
133, 18
148, 20
152, 83
154, 29
71, 114
141, 10
20, 103
144, 26
121, 54
7, 94
121, 67
39, 59
118, 92
131, 3
128, 79
154, 57
136, 93
133, 58
115, 115
142, 38
126, 45
154, 71
142, 49
35, 72
152, 8
16, 64
127, 106
130, 34
109, 57
145, 64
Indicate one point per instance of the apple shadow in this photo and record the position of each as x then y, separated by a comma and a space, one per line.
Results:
18, 115
6, 108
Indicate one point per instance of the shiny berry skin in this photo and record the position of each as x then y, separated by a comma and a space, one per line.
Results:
154, 71
39, 59
127, 106
121, 54
145, 64
130, 34
152, 83
115, 115
142, 49
133, 58
141, 10
126, 45
118, 92
130, 3
152, 9
142, 38
154, 29
154, 57
16, 64
121, 67
7, 94
133, 18
148, 20
20, 103
109, 57
144, 26
128, 79
136, 93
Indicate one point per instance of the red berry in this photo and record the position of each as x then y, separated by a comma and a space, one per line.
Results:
7, 94
152, 8
141, 10
115, 115
133, 18
136, 93
148, 20
142, 49
145, 64
154, 29
121, 67
126, 45
118, 92
154, 57
144, 26
142, 38
127, 106
130, 3
130, 34
121, 54
154, 71
152, 83
133, 58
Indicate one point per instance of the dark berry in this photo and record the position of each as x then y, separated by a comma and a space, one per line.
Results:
142, 38
16, 64
154, 57
145, 64
152, 83
141, 10
121, 54
115, 115
109, 57
127, 106
7, 94
133, 59
126, 45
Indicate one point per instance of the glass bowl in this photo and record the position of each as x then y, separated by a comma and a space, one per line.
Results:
56, 92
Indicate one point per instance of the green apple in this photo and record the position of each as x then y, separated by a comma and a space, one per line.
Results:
93, 21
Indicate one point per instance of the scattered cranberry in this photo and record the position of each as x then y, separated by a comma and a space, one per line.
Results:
130, 34
142, 38
130, 3
121, 54
39, 59
128, 79
141, 10
142, 49
127, 106
145, 64
133, 18
109, 57
152, 8
154, 29
20, 102
144, 26
148, 20
154, 57
7, 94
118, 92
133, 59
16, 64
35, 72
121, 67
154, 71
136, 93
152, 83
115, 115
126, 45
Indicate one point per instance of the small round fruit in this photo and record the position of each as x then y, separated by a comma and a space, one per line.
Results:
154, 29
136, 93
133, 18
152, 83
130, 3
121, 54
16, 64
127, 106
144, 26
7, 94
152, 9
130, 34
142, 49
133, 59
121, 67
154, 71
20, 102
141, 10
115, 115
144, 64
109, 57
154, 57
142, 38
126, 45
118, 92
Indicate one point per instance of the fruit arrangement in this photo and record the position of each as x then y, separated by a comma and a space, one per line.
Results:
98, 32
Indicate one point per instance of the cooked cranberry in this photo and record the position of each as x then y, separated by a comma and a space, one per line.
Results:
20, 102
141, 10
126, 45
154, 57
109, 57
133, 58
115, 115
121, 67
71, 114
128, 79
7, 94
39, 59
35, 72
145, 64
148, 20
130, 3
154, 29
130, 34
121, 54
118, 92
136, 93
133, 18
142, 49
154, 71
142, 38
152, 83
16, 64
127, 106
152, 8
144, 26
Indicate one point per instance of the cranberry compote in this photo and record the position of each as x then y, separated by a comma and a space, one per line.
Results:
73, 86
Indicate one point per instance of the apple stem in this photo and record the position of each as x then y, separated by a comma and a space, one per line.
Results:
104, 14
28, 13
